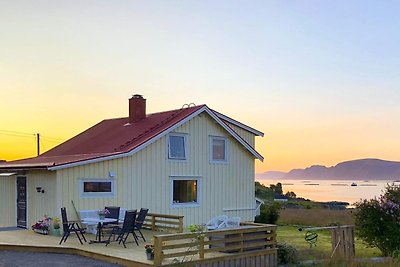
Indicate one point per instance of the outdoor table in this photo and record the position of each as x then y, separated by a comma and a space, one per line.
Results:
100, 223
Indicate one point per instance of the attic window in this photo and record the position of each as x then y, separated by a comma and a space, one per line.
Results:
177, 146
218, 149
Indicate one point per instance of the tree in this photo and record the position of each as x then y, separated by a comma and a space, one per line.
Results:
291, 194
378, 220
263, 192
276, 188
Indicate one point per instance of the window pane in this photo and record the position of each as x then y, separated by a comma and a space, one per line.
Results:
218, 149
185, 191
103, 187
177, 147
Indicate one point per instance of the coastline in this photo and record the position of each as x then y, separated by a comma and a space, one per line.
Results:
327, 190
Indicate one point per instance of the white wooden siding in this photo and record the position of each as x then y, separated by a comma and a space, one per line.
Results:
246, 135
8, 200
143, 179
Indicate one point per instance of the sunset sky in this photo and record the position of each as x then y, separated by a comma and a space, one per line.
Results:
319, 78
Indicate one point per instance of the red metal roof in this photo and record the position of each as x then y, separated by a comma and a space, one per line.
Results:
107, 138
112, 137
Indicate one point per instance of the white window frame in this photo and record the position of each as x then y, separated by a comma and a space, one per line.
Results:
184, 146
185, 205
97, 194
212, 160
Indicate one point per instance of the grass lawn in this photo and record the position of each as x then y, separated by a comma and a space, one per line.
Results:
323, 249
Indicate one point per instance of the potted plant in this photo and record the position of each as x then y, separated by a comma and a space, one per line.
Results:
42, 226
149, 251
102, 213
56, 226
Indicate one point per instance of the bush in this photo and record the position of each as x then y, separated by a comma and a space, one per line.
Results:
269, 213
378, 220
287, 254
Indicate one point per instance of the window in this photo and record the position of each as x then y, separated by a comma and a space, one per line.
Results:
218, 149
96, 188
185, 192
99, 187
177, 146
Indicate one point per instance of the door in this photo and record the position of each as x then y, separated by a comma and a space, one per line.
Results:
21, 202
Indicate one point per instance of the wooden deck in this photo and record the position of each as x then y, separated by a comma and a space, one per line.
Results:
27, 240
250, 245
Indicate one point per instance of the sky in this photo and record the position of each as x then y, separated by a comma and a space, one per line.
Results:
319, 78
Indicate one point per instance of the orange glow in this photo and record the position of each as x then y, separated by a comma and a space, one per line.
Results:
322, 86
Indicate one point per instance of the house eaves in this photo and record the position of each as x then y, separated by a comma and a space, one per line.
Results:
238, 124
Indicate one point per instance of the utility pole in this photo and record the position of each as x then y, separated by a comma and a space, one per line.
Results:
38, 143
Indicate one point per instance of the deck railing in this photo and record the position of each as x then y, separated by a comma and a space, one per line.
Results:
163, 222
224, 245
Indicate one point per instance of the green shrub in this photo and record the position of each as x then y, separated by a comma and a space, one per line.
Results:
264, 192
269, 213
378, 220
396, 256
287, 254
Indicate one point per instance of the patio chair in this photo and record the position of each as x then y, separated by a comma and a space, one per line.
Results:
127, 228
71, 226
114, 214
140, 220
231, 222
216, 222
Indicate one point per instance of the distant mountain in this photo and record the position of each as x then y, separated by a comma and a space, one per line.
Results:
361, 169
271, 175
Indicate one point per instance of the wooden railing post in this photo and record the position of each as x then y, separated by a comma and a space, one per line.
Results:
153, 223
241, 242
181, 225
201, 247
158, 253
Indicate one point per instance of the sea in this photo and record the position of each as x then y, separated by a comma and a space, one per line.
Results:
332, 190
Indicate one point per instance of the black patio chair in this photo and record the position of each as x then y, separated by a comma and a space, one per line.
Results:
71, 227
127, 228
114, 214
140, 220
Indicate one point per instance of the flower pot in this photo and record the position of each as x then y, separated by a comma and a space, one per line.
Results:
57, 232
150, 255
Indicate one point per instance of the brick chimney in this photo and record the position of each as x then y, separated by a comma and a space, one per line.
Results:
137, 108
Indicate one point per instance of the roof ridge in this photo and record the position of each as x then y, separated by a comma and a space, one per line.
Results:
175, 113
157, 113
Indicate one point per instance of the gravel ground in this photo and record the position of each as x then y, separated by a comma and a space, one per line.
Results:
35, 259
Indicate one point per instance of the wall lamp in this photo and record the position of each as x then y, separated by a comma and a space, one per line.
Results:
39, 189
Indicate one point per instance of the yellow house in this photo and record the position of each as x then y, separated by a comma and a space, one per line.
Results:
191, 161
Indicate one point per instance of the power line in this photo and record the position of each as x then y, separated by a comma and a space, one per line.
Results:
51, 138
22, 134
16, 135
51, 141
38, 137
15, 132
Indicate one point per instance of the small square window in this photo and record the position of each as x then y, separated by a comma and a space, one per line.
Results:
177, 146
218, 149
185, 192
